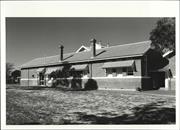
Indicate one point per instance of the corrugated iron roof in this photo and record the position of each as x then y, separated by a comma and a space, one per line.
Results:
40, 69
113, 52
51, 69
79, 67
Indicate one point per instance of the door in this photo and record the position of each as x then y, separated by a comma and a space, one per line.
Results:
41, 79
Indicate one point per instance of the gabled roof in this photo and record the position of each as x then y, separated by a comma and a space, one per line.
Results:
83, 48
113, 52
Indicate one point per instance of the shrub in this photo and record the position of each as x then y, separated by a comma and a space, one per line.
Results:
91, 84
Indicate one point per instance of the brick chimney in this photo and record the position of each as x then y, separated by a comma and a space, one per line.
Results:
61, 47
93, 47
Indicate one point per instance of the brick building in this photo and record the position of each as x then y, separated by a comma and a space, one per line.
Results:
127, 66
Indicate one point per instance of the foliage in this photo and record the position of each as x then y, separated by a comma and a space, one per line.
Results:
15, 74
61, 73
9, 68
55, 74
91, 84
163, 35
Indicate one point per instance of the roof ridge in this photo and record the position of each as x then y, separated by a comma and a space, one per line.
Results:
129, 44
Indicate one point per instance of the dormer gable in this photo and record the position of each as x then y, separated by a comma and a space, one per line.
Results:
83, 48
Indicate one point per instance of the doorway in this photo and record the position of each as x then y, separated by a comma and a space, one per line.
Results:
41, 79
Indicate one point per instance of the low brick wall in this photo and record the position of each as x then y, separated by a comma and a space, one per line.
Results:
29, 82
119, 83
109, 83
33, 82
101, 83
24, 83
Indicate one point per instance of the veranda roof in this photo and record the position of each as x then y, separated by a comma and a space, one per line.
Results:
40, 70
50, 70
79, 67
126, 63
165, 69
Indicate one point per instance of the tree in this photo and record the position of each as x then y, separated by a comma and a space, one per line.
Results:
9, 68
163, 35
15, 74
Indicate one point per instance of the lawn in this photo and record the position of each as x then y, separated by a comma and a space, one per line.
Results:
54, 106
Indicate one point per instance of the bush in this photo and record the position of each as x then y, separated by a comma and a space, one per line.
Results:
91, 84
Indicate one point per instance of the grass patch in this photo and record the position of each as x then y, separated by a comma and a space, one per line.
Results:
53, 106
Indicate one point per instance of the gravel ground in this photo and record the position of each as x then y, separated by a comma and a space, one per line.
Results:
53, 106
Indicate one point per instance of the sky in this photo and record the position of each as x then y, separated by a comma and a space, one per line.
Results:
29, 38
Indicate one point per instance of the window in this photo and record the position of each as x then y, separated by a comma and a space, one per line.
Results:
113, 70
124, 69
130, 71
119, 72
109, 72
114, 73
120, 68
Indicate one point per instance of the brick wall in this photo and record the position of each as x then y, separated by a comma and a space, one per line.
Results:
111, 83
138, 67
98, 71
173, 84
33, 82
124, 83
33, 77
32, 72
24, 82
29, 77
119, 83
24, 74
24, 77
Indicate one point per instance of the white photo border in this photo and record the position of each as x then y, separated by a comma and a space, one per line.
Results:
86, 9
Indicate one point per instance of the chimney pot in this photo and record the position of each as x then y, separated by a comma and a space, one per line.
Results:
93, 47
93, 40
61, 47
